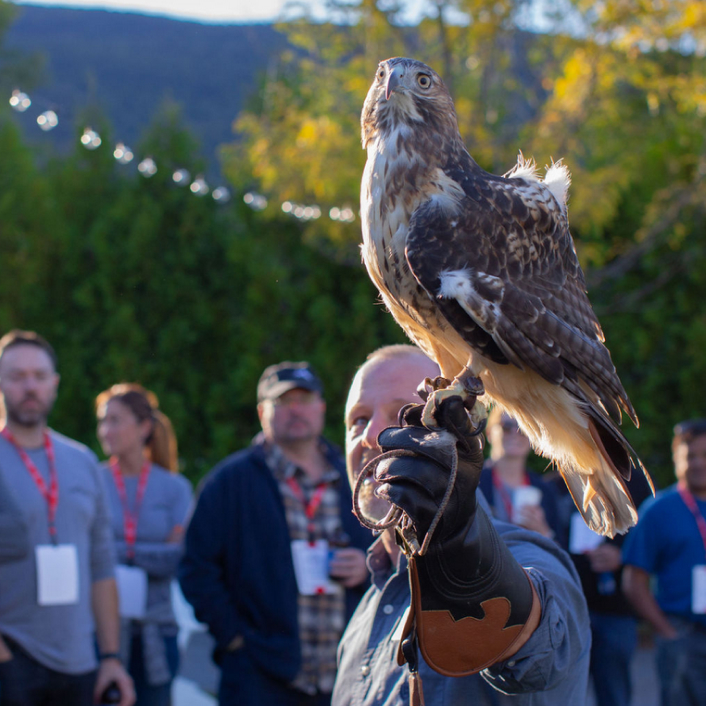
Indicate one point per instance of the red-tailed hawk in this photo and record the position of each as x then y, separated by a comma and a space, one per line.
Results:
481, 273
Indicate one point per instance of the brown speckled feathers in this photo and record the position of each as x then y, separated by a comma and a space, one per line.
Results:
481, 272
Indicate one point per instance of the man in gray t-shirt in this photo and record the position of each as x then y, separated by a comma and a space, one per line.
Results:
57, 588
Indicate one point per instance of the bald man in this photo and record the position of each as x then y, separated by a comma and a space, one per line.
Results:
547, 663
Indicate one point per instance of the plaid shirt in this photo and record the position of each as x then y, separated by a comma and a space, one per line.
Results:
321, 617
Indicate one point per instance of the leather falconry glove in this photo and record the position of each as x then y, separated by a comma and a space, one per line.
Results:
472, 603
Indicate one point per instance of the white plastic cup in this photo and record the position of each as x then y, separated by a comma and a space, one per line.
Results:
522, 497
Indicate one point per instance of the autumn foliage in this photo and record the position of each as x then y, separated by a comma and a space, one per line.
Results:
139, 280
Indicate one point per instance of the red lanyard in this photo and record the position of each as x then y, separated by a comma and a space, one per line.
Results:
501, 490
130, 518
689, 501
310, 507
51, 494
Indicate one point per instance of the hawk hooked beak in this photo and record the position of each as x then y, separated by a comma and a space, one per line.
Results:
393, 81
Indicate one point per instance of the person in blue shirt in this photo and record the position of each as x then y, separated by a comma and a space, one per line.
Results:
669, 544
472, 560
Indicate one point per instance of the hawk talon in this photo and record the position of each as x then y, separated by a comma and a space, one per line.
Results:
467, 387
430, 385
472, 385
479, 427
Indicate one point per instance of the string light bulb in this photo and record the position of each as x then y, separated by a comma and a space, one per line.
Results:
48, 120
303, 213
181, 177
147, 167
199, 186
90, 139
20, 101
123, 154
221, 194
256, 201
341, 214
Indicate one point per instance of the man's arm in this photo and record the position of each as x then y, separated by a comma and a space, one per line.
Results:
104, 600
14, 541
161, 559
556, 655
158, 559
636, 586
14, 536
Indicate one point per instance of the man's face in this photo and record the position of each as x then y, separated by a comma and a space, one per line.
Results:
379, 390
28, 384
690, 464
294, 417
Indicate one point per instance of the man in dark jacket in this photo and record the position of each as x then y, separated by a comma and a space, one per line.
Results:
275, 560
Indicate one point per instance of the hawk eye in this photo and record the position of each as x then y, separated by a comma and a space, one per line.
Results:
381, 73
424, 80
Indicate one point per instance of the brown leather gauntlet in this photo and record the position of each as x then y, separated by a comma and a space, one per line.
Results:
466, 623
472, 604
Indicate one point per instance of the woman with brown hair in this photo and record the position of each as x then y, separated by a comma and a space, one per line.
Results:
148, 503
515, 493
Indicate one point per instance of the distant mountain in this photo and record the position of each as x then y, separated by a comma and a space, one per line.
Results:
128, 64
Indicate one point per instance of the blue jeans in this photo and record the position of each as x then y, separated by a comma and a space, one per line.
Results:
26, 682
681, 664
613, 646
148, 695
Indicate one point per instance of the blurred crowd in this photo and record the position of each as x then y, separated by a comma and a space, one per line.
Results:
275, 564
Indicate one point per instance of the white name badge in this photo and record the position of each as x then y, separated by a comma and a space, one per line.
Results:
311, 567
132, 591
581, 537
57, 574
698, 589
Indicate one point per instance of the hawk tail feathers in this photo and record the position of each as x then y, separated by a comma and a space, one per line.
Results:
615, 448
602, 496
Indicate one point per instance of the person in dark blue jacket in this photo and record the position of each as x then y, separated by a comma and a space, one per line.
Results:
275, 560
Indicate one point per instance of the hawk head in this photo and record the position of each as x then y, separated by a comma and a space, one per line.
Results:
407, 94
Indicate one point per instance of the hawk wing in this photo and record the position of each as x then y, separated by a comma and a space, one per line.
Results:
523, 301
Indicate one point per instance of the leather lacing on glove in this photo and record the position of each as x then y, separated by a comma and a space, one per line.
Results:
411, 415
472, 604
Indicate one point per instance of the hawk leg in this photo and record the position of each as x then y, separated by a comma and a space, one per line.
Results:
466, 386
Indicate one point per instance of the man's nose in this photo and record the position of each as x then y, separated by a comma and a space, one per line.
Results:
30, 384
376, 424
